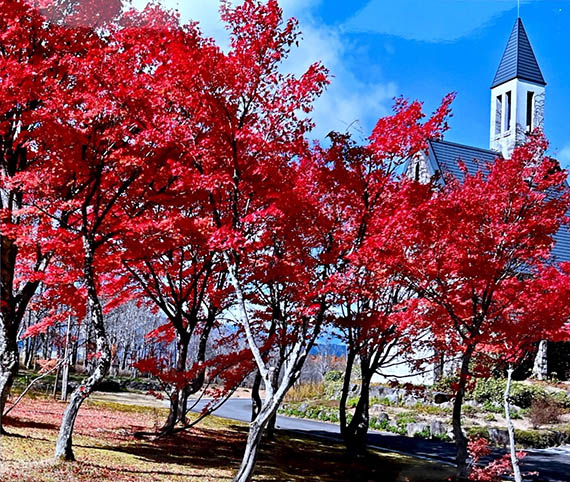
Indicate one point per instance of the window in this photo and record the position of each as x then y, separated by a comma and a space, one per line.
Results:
498, 114
417, 173
508, 111
529, 110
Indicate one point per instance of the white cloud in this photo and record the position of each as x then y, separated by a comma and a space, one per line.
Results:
348, 101
428, 21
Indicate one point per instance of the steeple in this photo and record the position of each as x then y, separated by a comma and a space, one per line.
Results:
518, 60
517, 94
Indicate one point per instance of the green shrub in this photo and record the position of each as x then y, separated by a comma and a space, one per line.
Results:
332, 383
493, 408
443, 437
403, 419
352, 402
492, 390
561, 398
425, 433
334, 376
541, 439
529, 438
445, 384
387, 427
516, 415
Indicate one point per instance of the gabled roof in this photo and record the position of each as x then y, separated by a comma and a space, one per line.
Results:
518, 60
444, 156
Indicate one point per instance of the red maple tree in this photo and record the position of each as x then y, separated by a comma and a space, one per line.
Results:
476, 252
363, 190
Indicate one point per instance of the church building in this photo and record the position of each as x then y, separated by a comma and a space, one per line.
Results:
517, 107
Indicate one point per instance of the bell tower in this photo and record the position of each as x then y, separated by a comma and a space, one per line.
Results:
517, 94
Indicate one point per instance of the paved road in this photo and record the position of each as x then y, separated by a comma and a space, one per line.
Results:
553, 464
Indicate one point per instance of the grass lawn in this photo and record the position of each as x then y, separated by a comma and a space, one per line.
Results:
106, 450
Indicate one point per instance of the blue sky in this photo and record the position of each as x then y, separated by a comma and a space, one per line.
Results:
378, 49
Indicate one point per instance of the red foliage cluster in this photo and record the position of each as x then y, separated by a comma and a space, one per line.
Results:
494, 471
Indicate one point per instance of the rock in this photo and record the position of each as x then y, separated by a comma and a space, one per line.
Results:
499, 437
141, 386
379, 391
561, 438
438, 428
393, 398
440, 397
303, 407
382, 418
410, 401
472, 403
416, 428
376, 409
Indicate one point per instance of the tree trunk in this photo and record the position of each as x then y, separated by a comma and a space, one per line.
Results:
350, 357
66, 356
8, 367
124, 358
540, 368
12, 308
255, 398
102, 356
438, 367
460, 439
178, 397
355, 433
54, 393
30, 352
250, 455
256, 429
45, 353
510, 428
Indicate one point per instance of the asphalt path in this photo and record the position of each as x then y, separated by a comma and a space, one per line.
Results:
552, 464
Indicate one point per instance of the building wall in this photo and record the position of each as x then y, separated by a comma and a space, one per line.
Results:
419, 168
505, 136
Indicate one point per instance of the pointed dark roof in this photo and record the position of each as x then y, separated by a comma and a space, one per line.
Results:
518, 60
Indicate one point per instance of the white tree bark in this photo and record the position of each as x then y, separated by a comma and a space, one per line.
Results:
274, 393
511, 429
63, 448
540, 368
65, 369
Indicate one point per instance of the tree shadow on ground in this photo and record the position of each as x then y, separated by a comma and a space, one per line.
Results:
25, 423
286, 457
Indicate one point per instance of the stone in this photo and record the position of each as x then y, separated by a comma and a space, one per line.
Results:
417, 427
382, 418
440, 397
303, 407
437, 428
393, 398
410, 401
499, 437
